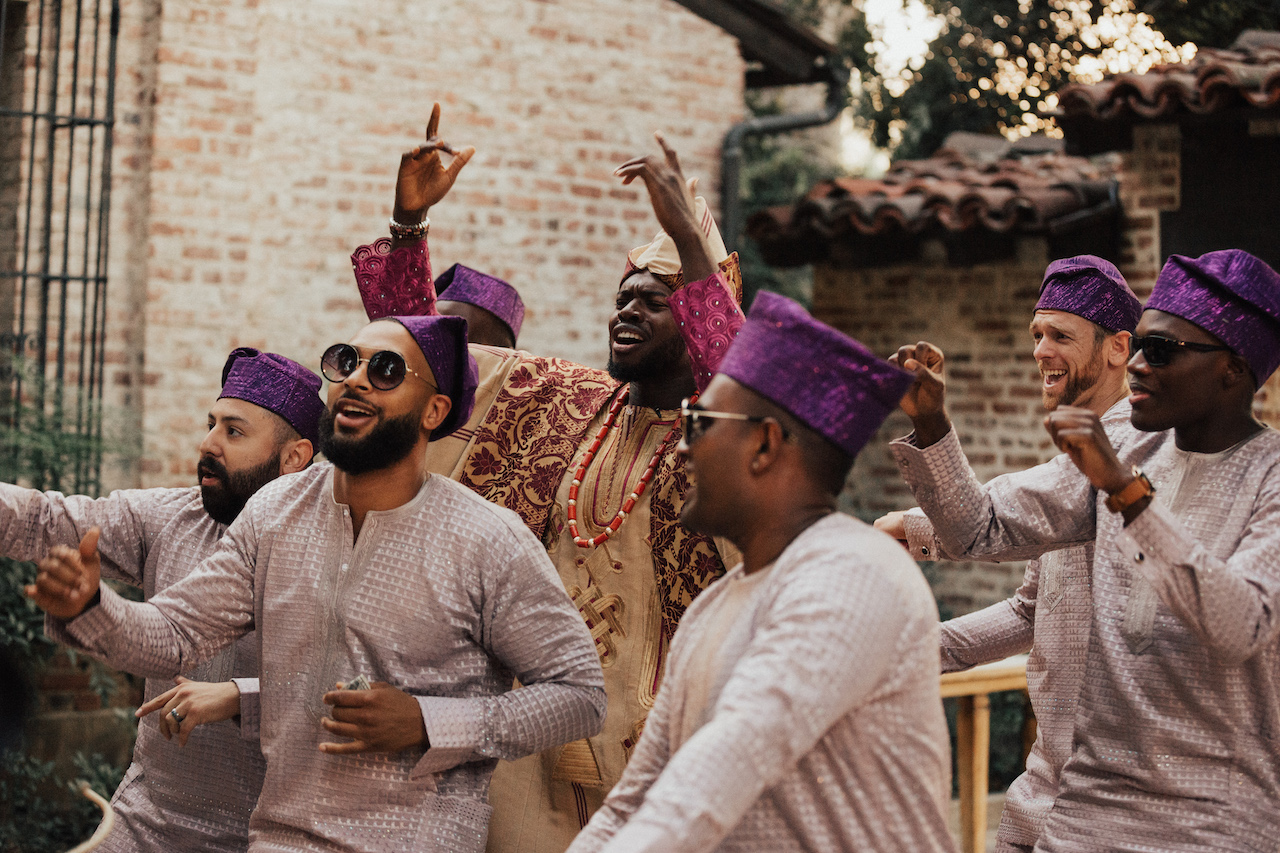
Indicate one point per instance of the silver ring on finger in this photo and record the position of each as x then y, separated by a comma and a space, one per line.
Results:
176, 716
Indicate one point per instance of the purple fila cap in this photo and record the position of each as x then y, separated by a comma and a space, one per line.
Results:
1092, 288
463, 284
277, 384
824, 378
443, 340
1231, 295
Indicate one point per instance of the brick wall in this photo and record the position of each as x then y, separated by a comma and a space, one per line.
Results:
260, 147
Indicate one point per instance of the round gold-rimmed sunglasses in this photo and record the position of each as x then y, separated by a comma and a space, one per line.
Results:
386, 369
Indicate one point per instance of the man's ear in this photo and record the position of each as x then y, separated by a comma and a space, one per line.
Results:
1237, 372
437, 409
770, 447
297, 456
1118, 349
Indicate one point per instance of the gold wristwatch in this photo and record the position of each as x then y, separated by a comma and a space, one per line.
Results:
1128, 496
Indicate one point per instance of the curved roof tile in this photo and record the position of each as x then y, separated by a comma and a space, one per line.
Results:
949, 194
1246, 74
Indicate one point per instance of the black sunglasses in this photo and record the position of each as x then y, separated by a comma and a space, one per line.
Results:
695, 421
386, 369
1159, 351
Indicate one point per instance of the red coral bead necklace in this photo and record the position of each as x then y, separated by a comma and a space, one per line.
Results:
627, 505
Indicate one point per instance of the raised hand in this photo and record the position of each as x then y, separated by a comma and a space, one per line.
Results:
196, 703
1078, 432
68, 578
925, 400
424, 177
673, 203
381, 719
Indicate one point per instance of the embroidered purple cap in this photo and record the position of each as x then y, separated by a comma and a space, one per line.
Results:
463, 284
826, 379
1231, 295
277, 384
1092, 288
443, 340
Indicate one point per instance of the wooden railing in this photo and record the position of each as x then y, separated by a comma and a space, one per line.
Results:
973, 737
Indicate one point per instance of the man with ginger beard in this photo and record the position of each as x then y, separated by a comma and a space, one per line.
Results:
588, 459
1081, 328
262, 426
368, 569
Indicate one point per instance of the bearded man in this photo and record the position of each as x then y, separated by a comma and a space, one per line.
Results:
1081, 327
369, 569
588, 459
263, 425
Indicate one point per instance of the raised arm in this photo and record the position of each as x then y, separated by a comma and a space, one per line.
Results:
180, 627
394, 275
32, 522
705, 308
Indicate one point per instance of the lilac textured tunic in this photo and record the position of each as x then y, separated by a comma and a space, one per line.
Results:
1048, 616
1176, 740
824, 730
447, 597
154, 538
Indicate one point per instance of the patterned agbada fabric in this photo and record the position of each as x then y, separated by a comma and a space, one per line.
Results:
154, 538
1049, 617
447, 597
1175, 743
823, 726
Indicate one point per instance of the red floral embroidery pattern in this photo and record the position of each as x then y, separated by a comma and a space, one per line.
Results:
394, 283
709, 319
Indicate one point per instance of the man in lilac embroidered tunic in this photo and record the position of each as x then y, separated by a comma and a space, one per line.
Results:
537, 418
1174, 744
367, 566
263, 425
800, 709
1081, 328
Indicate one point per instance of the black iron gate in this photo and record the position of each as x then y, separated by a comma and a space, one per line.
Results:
57, 93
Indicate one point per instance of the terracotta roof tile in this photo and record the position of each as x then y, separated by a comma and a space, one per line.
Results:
950, 194
1245, 75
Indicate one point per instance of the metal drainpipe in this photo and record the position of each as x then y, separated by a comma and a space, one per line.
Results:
731, 149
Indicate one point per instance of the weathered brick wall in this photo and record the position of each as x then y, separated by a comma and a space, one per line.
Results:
271, 153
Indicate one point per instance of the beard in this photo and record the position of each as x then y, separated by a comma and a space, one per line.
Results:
385, 445
224, 501
664, 361
1078, 382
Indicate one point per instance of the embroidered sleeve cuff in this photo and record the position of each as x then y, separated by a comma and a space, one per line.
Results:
394, 283
1153, 541
250, 708
90, 629
934, 466
455, 730
921, 541
709, 319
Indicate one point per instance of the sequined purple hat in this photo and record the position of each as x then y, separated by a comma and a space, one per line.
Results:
463, 284
826, 379
1231, 295
1092, 288
277, 384
443, 340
